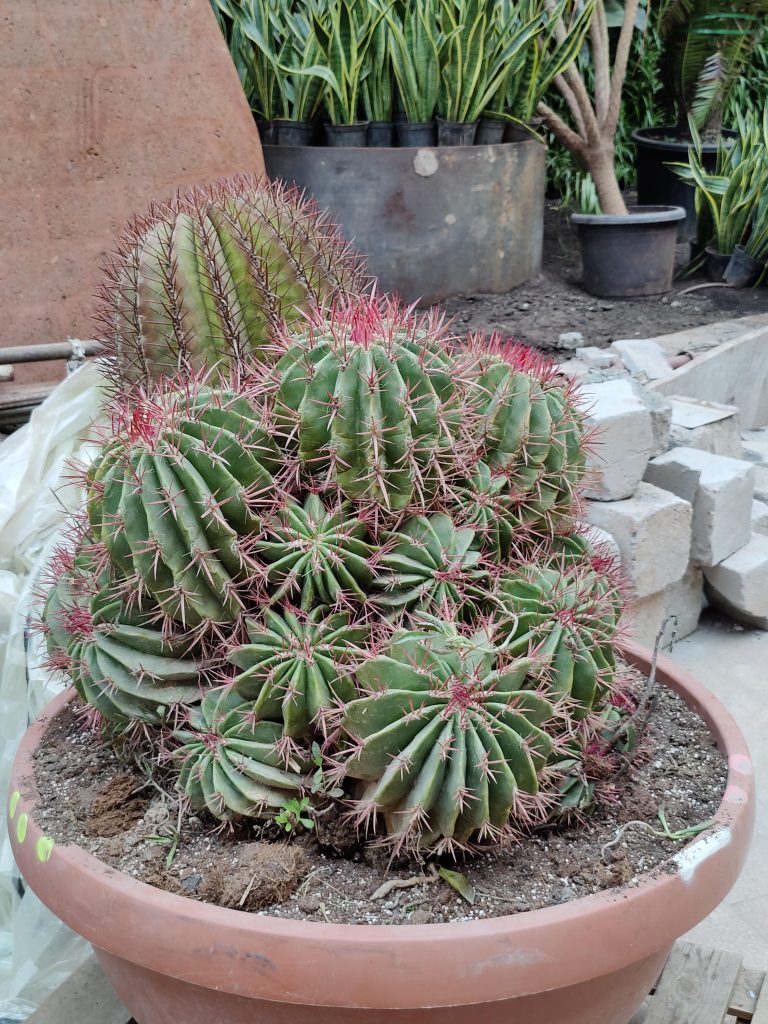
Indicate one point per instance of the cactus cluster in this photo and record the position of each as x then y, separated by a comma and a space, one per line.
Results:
356, 548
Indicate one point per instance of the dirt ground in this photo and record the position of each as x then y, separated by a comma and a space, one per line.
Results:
538, 312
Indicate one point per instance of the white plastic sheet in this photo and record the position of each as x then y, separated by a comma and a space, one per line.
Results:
37, 952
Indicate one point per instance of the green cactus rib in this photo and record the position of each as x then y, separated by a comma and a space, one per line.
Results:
296, 665
175, 500
447, 737
372, 404
570, 615
429, 565
118, 660
486, 504
204, 282
230, 763
319, 552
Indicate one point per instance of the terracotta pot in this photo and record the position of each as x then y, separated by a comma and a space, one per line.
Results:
590, 961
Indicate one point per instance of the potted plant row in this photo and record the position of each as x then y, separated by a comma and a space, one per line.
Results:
706, 46
384, 72
626, 251
328, 564
731, 201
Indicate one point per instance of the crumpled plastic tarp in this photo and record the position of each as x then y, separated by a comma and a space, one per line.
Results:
37, 951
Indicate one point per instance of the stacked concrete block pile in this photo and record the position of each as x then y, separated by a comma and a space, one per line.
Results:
680, 489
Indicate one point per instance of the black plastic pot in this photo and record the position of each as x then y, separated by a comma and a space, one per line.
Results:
292, 133
455, 133
715, 263
743, 271
657, 184
625, 256
415, 134
381, 134
490, 132
266, 131
347, 134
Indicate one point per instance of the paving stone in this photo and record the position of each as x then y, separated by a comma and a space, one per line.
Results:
653, 532
643, 358
597, 357
623, 439
720, 490
739, 584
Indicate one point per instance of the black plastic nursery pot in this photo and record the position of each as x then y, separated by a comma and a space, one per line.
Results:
415, 133
657, 183
341, 135
433, 221
715, 263
628, 255
266, 131
381, 134
743, 270
455, 133
490, 132
292, 133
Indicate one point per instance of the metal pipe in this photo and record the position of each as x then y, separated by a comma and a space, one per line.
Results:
48, 350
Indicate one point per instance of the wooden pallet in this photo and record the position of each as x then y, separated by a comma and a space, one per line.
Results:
697, 986
705, 986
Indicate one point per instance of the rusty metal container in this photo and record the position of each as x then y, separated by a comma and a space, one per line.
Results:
434, 222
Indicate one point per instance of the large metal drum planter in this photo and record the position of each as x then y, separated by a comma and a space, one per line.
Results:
433, 221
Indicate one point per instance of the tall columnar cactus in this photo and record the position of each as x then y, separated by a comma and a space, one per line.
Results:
176, 497
232, 763
205, 281
296, 666
370, 396
449, 736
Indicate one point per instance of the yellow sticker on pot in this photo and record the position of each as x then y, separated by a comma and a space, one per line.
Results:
21, 827
14, 803
44, 848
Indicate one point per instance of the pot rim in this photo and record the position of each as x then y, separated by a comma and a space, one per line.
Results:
635, 215
480, 961
645, 138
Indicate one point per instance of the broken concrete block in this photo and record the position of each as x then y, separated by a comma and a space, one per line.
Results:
759, 517
709, 426
720, 490
643, 358
573, 368
761, 482
597, 358
653, 531
643, 619
739, 584
623, 439
660, 409
755, 444
570, 340
685, 600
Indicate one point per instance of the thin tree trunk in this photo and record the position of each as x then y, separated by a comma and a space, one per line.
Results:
600, 163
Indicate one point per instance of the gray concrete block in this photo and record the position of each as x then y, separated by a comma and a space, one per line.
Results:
598, 358
644, 618
759, 517
709, 426
761, 482
603, 542
660, 409
739, 584
643, 358
685, 600
623, 439
653, 531
720, 490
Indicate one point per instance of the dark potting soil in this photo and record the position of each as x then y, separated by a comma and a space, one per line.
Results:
555, 303
110, 809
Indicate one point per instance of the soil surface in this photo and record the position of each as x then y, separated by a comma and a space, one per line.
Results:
109, 808
554, 304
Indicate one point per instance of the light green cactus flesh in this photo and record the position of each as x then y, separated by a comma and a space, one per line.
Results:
372, 405
570, 617
448, 737
297, 665
232, 764
205, 282
174, 500
318, 552
429, 565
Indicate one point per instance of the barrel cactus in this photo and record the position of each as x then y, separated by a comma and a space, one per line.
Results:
368, 396
347, 568
204, 282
